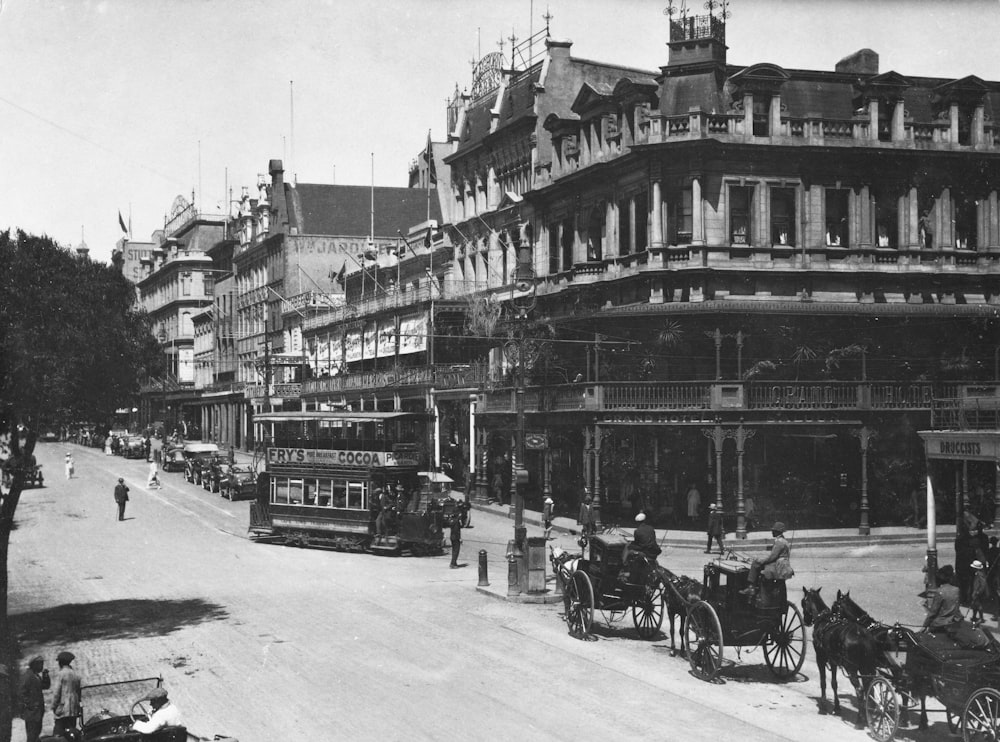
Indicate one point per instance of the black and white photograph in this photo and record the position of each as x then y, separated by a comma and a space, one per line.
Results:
554, 370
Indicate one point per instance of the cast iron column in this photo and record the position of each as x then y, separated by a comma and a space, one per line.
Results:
864, 436
741, 435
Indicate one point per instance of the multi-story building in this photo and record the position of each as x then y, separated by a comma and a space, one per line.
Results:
298, 246
177, 284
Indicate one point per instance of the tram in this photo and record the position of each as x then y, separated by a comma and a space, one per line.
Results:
349, 481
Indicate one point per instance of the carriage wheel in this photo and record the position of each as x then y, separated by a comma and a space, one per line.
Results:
703, 640
579, 604
981, 718
647, 615
785, 646
882, 709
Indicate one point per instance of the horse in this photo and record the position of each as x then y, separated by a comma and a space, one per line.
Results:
839, 642
681, 591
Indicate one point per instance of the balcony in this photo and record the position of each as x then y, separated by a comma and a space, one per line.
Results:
696, 396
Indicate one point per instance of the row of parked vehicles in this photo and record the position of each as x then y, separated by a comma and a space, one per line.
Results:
204, 464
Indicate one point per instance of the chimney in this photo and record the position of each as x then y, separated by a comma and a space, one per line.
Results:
862, 62
279, 207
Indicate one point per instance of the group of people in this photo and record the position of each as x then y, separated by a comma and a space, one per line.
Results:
66, 705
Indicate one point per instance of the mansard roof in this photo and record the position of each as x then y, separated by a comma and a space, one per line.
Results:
345, 210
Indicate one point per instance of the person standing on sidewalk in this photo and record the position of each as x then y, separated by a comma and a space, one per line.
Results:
456, 538
121, 497
693, 501
66, 698
715, 528
979, 592
31, 699
587, 519
547, 517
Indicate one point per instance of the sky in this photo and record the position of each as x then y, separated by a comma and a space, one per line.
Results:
119, 106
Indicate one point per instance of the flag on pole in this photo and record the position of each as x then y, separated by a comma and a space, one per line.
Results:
121, 222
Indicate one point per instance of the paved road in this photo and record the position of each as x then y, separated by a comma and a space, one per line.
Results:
268, 643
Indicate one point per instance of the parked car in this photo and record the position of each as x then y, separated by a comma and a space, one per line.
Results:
173, 458
232, 481
197, 458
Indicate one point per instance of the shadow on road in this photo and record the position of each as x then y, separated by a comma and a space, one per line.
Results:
113, 619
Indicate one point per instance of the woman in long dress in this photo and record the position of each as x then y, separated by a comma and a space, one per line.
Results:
69, 465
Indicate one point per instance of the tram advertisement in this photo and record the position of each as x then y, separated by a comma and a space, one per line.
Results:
376, 459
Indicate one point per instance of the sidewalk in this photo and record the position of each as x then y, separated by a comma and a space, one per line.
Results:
688, 539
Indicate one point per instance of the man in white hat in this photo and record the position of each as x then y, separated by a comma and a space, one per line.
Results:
979, 592
547, 518
644, 538
165, 714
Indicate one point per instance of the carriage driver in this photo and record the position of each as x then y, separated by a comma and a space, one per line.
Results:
775, 566
643, 540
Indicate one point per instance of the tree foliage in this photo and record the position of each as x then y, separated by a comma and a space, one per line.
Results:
73, 346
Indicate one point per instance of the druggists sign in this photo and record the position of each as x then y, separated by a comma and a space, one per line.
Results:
983, 446
312, 456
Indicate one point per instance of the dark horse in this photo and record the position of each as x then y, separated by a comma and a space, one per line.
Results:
839, 642
681, 592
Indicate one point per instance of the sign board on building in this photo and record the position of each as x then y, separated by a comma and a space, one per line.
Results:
963, 445
323, 457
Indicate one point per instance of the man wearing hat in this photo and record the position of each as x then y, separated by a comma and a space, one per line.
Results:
715, 528
66, 697
547, 516
644, 538
121, 497
775, 566
979, 592
165, 714
943, 603
32, 702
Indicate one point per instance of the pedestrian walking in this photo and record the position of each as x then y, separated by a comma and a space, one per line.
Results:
693, 501
34, 680
69, 465
979, 592
715, 529
547, 517
153, 482
107, 446
66, 698
121, 497
498, 487
456, 538
587, 518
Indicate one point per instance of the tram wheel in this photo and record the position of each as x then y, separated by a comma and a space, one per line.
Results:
579, 604
647, 614
785, 646
703, 642
981, 717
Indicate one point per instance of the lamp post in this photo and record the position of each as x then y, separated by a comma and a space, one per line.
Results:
523, 301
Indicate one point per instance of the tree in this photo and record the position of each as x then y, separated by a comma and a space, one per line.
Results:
72, 346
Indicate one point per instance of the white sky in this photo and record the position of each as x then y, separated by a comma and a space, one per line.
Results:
109, 105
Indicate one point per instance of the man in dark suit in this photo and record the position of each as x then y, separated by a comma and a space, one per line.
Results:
121, 497
34, 680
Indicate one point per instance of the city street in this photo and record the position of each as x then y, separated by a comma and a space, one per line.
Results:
271, 643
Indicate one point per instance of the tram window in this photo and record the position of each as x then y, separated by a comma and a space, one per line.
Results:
356, 495
339, 493
325, 493
309, 492
279, 490
295, 492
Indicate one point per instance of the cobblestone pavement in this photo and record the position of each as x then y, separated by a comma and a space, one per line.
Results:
270, 643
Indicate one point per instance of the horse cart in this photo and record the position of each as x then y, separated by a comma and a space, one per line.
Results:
605, 582
724, 617
962, 671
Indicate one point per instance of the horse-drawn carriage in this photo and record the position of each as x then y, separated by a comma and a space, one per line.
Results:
726, 617
961, 671
610, 582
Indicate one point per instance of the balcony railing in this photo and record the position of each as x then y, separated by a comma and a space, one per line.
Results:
714, 395
963, 412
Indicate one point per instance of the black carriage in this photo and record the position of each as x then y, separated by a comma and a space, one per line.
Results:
609, 582
965, 681
725, 617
